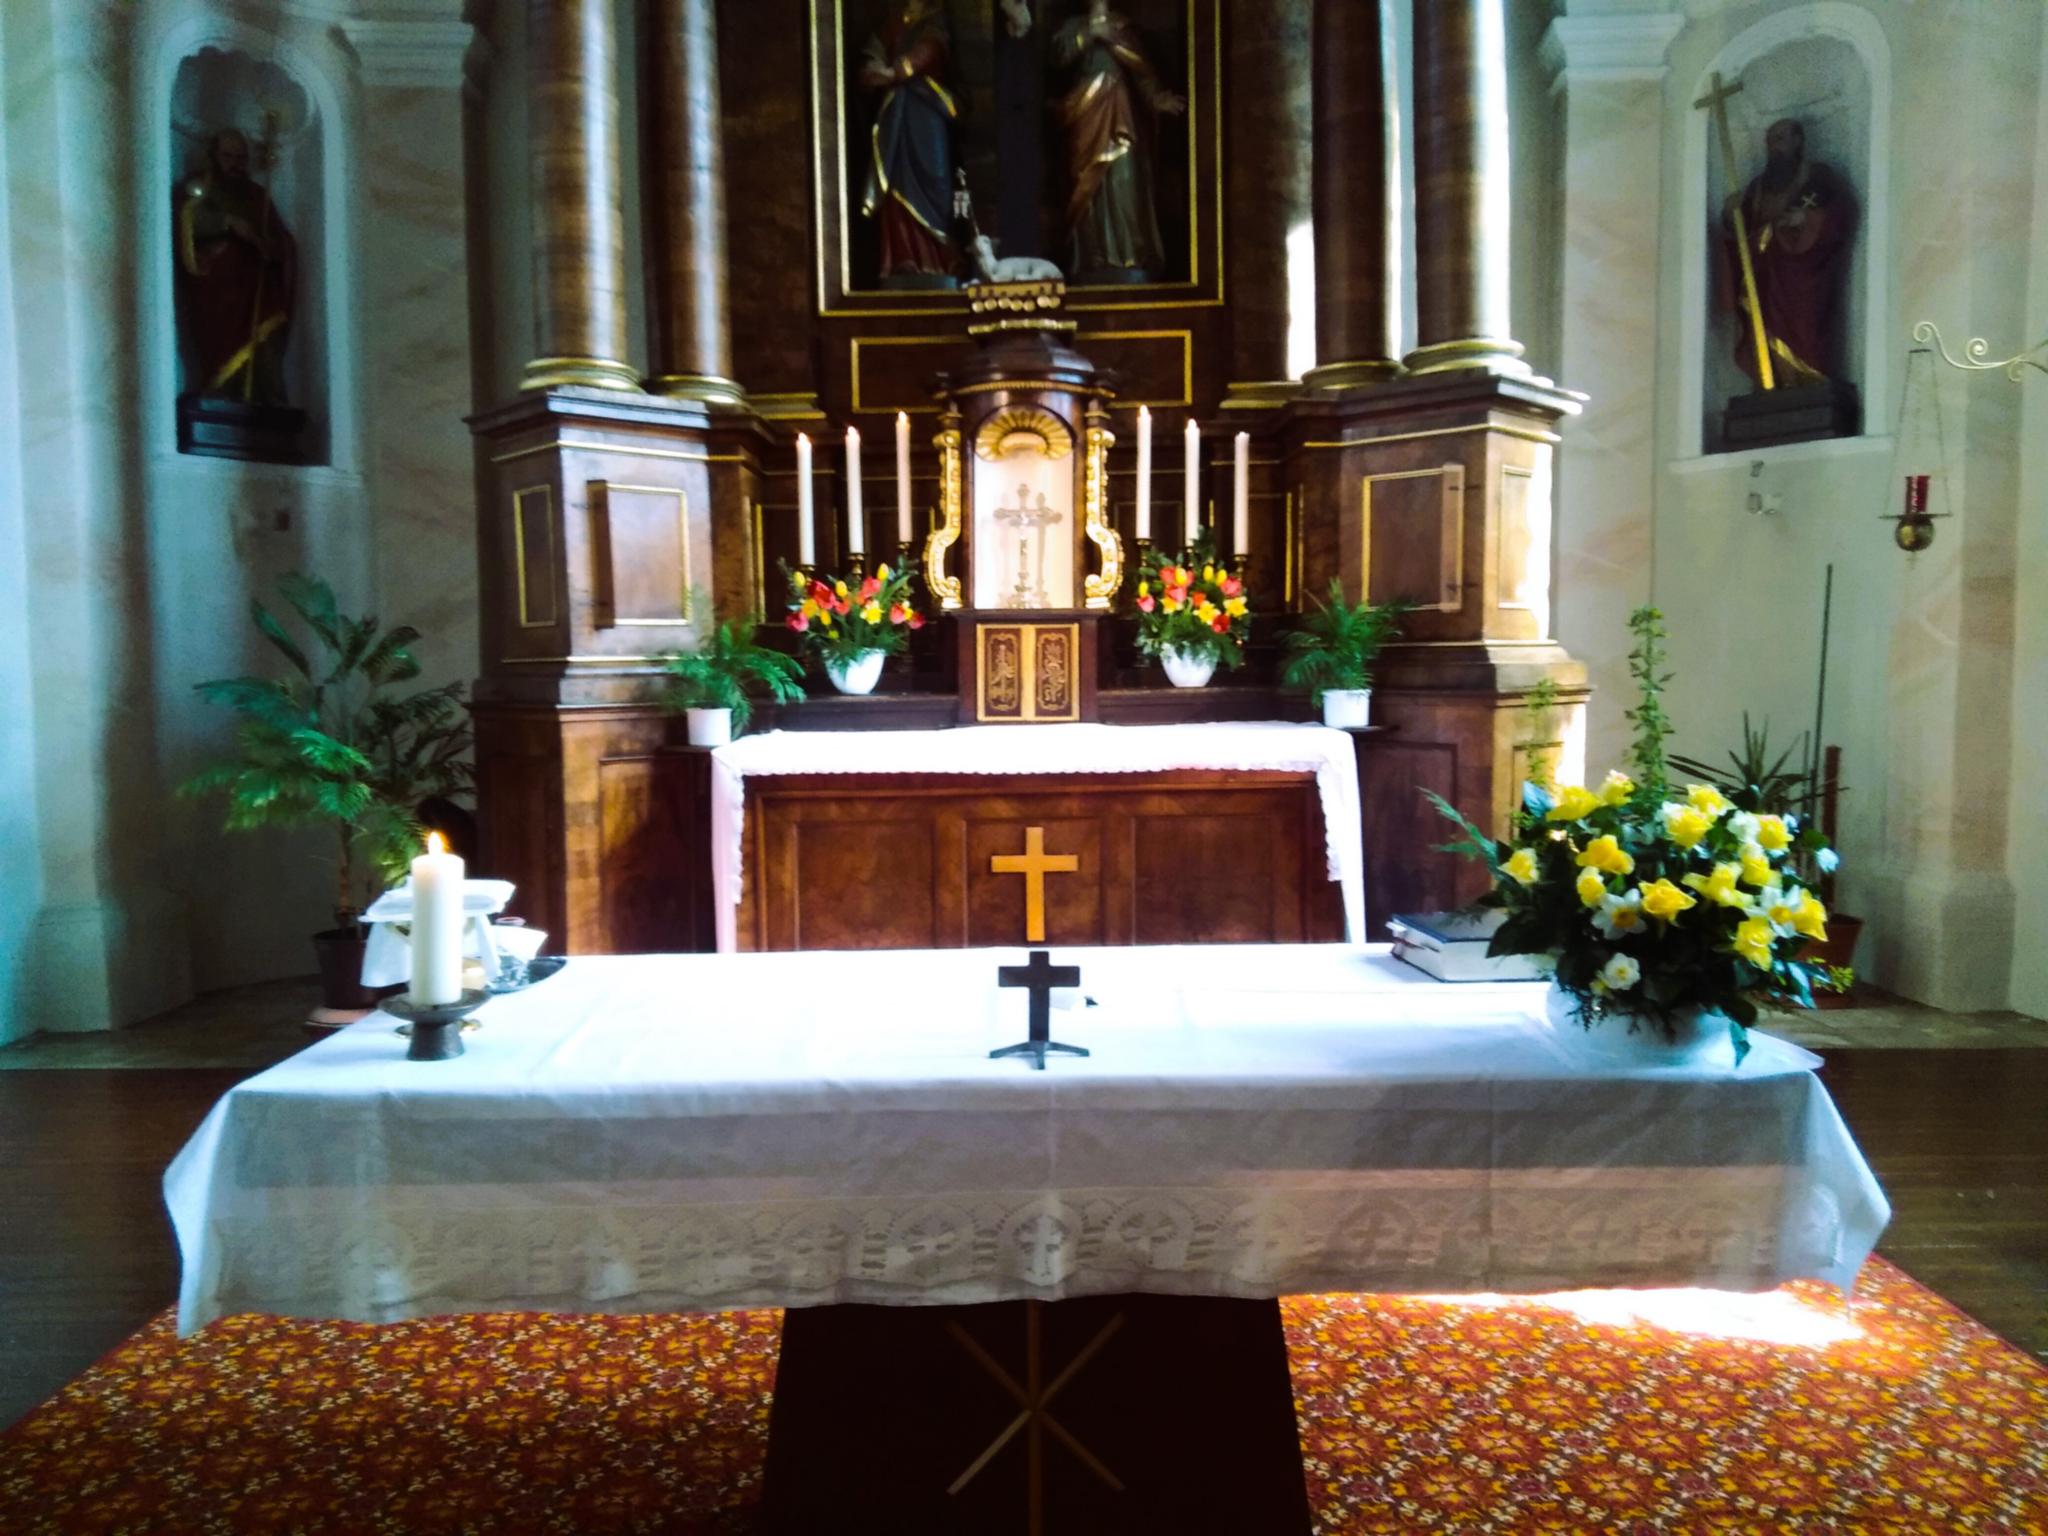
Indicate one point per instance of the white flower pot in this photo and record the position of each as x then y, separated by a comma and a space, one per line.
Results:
1186, 671
1348, 709
858, 675
709, 727
1701, 1037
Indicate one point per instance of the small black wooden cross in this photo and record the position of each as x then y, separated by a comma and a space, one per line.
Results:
1041, 976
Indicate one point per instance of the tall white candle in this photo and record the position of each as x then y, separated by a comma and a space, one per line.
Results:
1241, 497
1194, 482
436, 925
856, 531
1144, 472
902, 477
806, 528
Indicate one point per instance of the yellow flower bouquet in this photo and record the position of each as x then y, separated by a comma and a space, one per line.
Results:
1656, 902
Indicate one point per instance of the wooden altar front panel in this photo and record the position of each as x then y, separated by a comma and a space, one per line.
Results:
901, 861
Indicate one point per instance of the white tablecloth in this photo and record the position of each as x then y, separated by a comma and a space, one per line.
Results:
994, 749
645, 1133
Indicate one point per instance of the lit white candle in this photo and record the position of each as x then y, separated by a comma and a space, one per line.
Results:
806, 529
1144, 472
436, 925
1194, 482
856, 532
1241, 497
902, 477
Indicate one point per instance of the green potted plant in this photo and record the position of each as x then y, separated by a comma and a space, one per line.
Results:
713, 684
334, 742
1755, 781
1330, 656
853, 623
1193, 615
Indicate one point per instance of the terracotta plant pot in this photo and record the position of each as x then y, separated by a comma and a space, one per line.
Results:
1838, 950
340, 952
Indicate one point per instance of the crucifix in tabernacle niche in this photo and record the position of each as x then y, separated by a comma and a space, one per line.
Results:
1024, 556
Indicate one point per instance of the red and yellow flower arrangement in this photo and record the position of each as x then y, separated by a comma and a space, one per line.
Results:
1195, 608
840, 619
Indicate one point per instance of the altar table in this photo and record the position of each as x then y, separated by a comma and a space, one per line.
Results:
906, 824
645, 1133
654, 1133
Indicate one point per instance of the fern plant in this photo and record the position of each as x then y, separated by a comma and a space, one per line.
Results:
331, 743
1336, 644
723, 671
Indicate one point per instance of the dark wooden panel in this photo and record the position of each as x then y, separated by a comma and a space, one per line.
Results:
1401, 825
652, 828
1214, 872
892, 861
851, 879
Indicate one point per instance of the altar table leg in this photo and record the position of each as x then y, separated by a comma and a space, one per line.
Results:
1153, 1414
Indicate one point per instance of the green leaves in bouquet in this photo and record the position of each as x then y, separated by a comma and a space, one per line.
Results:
329, 744
725, 669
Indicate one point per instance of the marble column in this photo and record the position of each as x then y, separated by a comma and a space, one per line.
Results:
579, 252
1357, 176
1609, 81
1461, 189
682, 186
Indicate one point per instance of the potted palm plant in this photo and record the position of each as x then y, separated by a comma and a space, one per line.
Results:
1331, 655
334, 742
1755, 781
712, 685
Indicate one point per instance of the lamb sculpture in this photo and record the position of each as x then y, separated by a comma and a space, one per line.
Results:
1011, 269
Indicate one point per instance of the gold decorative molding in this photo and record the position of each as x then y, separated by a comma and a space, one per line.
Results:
605, 604
942, 538
591, 372
623, 450
521, 563
1450, 535
1100, 589
999, 436
1526, 434
1260, 394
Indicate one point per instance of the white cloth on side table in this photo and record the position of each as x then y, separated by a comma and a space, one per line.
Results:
663, 1132
1258, 746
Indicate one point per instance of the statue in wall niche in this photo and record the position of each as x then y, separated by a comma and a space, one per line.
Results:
237, 272
1800, 218
909, 189
1109, 114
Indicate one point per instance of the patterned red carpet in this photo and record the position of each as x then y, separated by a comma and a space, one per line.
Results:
1608, 1412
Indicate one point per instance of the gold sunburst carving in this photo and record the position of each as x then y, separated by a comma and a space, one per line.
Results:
1022, 428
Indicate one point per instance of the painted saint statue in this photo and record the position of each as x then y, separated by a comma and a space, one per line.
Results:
909, 191
1801, 218
237, 269
1109, 114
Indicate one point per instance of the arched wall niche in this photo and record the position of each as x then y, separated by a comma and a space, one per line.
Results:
194, 53
215, 89
1828, 65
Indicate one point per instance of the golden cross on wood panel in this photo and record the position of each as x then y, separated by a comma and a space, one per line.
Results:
1034, 864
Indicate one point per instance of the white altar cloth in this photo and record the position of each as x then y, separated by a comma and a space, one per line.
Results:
1259, 745
663, 1132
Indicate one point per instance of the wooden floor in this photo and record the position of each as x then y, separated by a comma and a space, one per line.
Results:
1959, 1138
